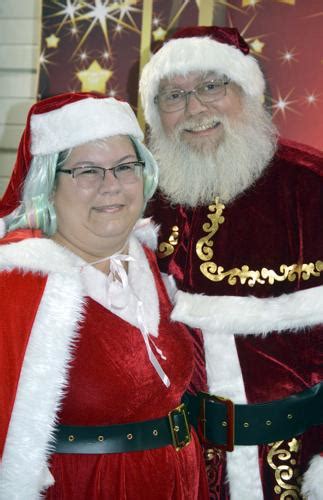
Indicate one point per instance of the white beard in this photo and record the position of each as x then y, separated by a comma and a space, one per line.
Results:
195, 176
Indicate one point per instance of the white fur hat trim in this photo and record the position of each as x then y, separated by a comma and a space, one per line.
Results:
183, 55
81, 122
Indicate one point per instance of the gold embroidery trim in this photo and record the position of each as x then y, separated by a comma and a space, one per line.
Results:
216, 273
283, 462
167, 248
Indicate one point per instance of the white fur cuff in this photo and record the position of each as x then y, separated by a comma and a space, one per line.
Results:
312, 487
250, 315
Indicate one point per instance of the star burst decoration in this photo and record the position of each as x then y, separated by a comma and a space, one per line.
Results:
44, 61
102, 11
126, 8
283, 104
311, 98
288, 56
68, 10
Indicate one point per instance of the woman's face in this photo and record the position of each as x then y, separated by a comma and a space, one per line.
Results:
96, 222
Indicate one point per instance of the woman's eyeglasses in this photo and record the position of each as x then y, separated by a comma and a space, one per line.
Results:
91, 176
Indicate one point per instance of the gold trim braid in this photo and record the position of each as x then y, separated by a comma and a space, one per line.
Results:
167, 248
245, 275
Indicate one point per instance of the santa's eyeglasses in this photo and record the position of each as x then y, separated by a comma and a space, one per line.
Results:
206, 92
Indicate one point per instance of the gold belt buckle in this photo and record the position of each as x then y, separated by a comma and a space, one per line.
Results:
229, 446
177, 417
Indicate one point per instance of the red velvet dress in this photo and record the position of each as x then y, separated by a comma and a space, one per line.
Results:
112, 381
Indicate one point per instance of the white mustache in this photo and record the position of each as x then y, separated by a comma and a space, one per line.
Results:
199, 123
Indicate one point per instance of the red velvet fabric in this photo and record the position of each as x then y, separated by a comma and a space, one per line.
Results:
223, 34
27, 290
112, 381
20, 234
14, 336
277, 221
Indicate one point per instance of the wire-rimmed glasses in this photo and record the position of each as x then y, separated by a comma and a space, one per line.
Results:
92, 176
206, 92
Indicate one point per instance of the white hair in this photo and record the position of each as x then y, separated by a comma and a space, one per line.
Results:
193, 175
36, 209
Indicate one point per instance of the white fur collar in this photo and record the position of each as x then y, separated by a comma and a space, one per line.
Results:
32, 254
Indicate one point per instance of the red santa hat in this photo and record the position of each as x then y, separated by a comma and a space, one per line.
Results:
51, 128
200, 48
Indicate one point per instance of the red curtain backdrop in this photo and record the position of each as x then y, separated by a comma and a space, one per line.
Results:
102, 45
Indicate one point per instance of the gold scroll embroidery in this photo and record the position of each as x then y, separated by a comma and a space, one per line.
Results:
283, 462
167, 248
248, 276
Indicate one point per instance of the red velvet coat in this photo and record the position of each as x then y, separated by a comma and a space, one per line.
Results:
249, 268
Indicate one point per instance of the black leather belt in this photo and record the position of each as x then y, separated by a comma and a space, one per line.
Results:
225, 424
173, 429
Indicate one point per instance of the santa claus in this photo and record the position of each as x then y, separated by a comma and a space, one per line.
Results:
240, 214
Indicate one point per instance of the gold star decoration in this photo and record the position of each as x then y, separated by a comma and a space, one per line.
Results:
52, 41
257, 46
94, 78
255, 43
159, 34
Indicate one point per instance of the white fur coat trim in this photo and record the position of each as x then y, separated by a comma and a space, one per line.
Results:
225, 379
41, 388
250, 315
44, 255
220, 318
147, 232
312, 486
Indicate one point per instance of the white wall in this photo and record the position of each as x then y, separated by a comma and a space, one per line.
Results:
20, 26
